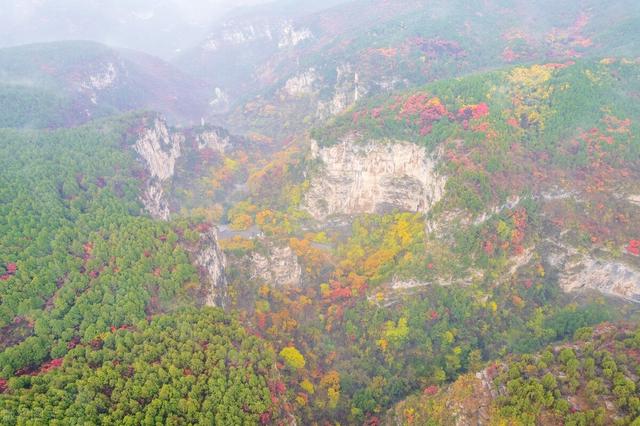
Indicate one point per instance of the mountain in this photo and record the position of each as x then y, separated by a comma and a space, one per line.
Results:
98, 296
277, 71
159, 27
64, 83
397, 247
415, 236
457, 246
446, 224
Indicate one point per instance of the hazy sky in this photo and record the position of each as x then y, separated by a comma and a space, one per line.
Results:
156, 26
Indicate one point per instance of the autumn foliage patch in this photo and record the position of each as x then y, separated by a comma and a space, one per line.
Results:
634, 247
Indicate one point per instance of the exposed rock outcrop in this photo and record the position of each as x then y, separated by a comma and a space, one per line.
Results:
211, 264
291, 36
347, 91
99, 81
220, 101
634, 199
216, 140
372, 177
283, 33
611, 278
301, 84
154, 201
582, 272
278, 267
467, 401
159, 150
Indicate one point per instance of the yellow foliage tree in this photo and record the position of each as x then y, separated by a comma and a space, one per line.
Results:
397, 334
331, 382
307, 386
530, 91
293, 358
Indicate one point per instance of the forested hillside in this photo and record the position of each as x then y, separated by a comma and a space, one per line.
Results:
536, 160
278, 72
89, 287
68, 83
422, 214
191, 367
592, 380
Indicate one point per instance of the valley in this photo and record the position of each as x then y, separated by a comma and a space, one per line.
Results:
368, 213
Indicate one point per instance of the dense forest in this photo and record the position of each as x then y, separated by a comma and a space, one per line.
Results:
90, 285
442, 231
590, 381
91, 296
190, 367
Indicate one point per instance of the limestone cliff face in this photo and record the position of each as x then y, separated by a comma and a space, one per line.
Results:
282, 33
220, 101
291, 36
373, 176
159, 150
302, 84
101, 80
211, 264
217, 140
279, 267
611, 278
154, 201
346, 92
582, 272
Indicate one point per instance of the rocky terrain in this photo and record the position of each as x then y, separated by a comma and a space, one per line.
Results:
409, 213
278, 267
492, 395
373, 177
159, 151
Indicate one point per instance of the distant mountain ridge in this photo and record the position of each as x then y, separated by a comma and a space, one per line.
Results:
63, 83
276, 70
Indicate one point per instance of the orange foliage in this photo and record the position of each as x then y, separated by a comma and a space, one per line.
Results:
312, 257
387, 52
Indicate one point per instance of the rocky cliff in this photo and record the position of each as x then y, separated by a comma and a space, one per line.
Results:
215, 139
301, 84
578, 272
346, 92
611, 278
211, 264
372, 177
101, 80
159, 150
281, 32
279, 267
467, 401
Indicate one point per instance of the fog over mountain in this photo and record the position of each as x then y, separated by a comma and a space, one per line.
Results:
336, 212
158, 27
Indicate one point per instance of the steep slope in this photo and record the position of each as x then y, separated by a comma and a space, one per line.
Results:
442, 227
78, 254
294, 69
406, 242
372, 177
534, 133
591, 380
65, 83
